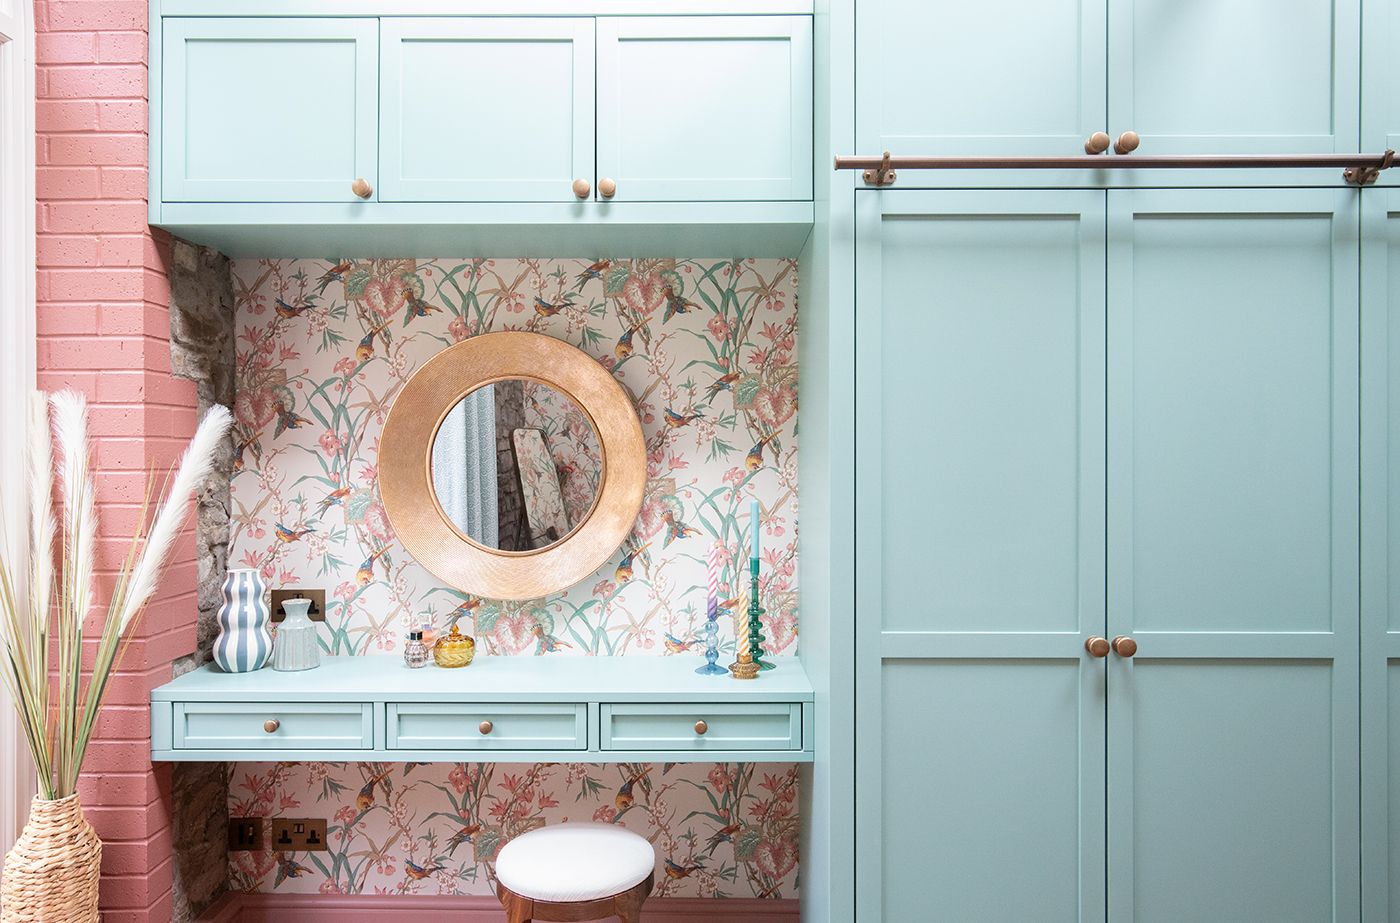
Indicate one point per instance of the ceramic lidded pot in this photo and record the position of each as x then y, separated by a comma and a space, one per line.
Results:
296, 647
454, 650
244, 643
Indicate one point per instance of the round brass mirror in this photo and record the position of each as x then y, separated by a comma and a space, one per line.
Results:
512, 465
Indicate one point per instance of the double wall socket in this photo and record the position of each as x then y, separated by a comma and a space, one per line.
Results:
298, 834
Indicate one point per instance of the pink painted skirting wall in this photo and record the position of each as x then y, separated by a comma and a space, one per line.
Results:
329, 908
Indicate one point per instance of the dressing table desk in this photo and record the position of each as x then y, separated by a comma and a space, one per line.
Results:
499, 709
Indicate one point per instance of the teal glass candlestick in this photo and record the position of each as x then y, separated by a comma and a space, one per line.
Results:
755, 626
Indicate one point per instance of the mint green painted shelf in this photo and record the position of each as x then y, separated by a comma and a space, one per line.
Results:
592, 709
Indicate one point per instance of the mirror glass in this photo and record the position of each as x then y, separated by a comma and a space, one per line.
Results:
516, 465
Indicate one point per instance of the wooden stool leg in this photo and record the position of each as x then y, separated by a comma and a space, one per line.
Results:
518, 909
628, 905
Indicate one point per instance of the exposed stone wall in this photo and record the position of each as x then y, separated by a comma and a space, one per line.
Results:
201, 349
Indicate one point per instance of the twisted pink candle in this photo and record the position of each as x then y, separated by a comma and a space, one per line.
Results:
715, 562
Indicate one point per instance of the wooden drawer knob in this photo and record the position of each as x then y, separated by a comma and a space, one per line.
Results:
485, 727
581, 188
1097, 143
1127, 142
607, 187
1096, 646
361, 187
701, 727
271, 725
1124, 646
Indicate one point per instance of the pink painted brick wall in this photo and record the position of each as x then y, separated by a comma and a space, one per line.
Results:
103, 329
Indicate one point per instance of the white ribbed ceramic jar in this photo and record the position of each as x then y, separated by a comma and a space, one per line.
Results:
296, 647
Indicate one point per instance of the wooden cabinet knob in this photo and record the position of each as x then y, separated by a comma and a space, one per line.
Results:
1127, 142
607, 187
485, 727
271, 725
361, 187
581, 188
1124, 646
1096, 646
701, 727
1097, 143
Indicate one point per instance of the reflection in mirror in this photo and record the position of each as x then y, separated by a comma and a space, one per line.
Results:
516, 465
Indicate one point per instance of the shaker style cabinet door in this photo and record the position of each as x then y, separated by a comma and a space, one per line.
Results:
705, 109
1380, 81
268, 110
980, 556
1025, 77
1243, 77
1233, 555
1380, 544
485, 109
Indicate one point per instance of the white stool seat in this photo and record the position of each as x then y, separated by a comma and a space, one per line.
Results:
575, 862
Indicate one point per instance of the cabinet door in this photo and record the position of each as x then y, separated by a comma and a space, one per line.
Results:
960, 78
980, 557
714, 108
1380, 80
268, 110
486, 110
1244, 77
1380, 546
1233, 555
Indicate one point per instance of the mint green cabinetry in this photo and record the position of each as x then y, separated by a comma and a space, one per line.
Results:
1380, 80
268, 110
1233, 555
980, 555
1104, 413
1380, 542
707, 108
485, 110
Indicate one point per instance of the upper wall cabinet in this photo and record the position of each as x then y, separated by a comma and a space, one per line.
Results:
1245, 77
485, 110
713, 108
268, 110
1249, 76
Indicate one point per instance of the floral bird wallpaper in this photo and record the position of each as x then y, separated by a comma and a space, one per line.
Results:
707, 349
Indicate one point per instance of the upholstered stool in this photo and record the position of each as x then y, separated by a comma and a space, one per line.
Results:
575, 872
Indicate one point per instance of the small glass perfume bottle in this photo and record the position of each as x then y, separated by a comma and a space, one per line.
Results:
415, 653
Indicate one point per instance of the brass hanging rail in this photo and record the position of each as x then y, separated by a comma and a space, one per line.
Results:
1358, 169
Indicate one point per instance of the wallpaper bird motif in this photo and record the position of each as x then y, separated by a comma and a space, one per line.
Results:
707, 349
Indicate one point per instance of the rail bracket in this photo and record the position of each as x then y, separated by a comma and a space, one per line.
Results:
881, 175
1366, 176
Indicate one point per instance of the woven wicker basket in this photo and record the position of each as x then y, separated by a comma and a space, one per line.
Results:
52, 872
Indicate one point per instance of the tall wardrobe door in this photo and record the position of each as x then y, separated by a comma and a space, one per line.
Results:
1233, 555
1248, 76
980, 527
1380, 543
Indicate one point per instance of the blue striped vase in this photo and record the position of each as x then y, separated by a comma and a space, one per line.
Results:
244, 643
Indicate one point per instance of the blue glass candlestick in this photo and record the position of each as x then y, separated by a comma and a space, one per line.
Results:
711, 668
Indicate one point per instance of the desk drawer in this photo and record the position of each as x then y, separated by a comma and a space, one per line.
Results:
453, 726
757, 726
300, 726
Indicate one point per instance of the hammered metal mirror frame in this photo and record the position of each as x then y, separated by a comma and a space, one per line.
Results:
405, 465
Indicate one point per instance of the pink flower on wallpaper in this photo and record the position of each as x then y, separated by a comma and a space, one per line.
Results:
776, 857
345, 367
719, 328
514, 631
457, 778
458, 329
377, 521
330, 442
604, 814
775, 405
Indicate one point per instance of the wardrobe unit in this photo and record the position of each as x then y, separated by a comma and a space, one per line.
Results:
1123, 642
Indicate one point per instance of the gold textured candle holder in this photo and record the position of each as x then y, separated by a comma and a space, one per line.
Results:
743, 667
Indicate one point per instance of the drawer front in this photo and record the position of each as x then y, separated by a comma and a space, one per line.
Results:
757, 726
453, 726
301, 726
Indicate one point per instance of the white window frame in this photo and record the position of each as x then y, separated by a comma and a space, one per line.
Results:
17, 346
